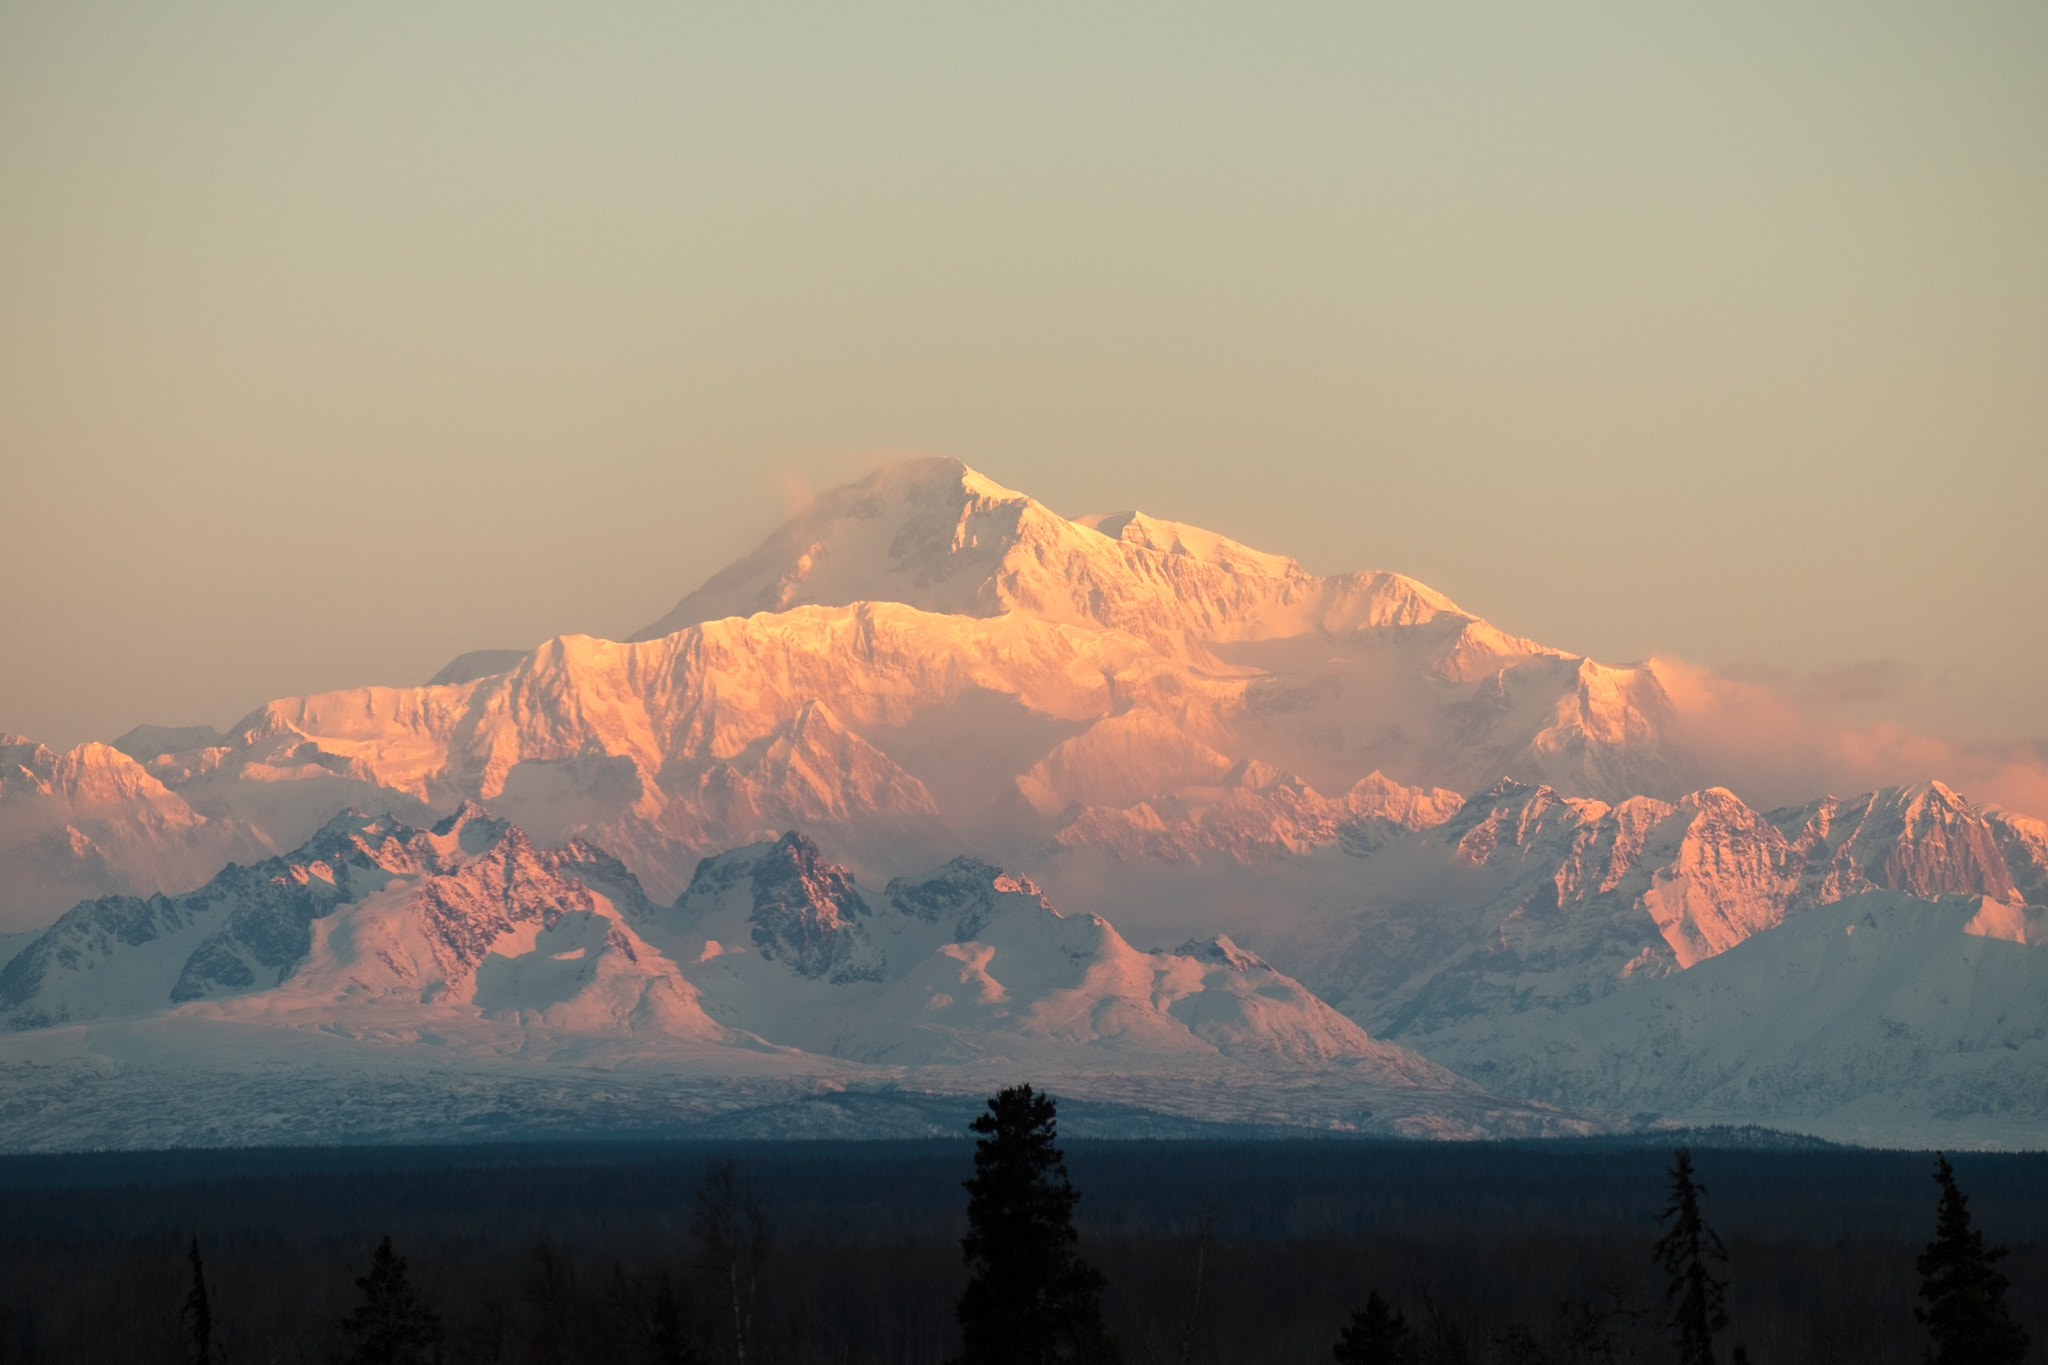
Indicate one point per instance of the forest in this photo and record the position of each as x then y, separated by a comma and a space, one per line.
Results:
1259, 1251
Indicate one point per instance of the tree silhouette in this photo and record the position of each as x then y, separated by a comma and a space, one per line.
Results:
1966, 1318
667, 1344
197, 1314
392, 1325
733, 1239
1698, 1300
1377, 1336
1030, 1298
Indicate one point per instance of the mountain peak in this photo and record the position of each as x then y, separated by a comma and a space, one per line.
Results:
1178, 538
939, 537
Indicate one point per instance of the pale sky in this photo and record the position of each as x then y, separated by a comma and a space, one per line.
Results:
336, 340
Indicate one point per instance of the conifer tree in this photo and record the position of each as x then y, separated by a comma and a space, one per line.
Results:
667, 1345
733, 1238
197, 1314
1030, 1298
392, 1325
1377, 1336
1698, 1300
1966, 1318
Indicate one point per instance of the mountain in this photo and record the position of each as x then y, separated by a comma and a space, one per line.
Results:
967, 962
1506, 935
925, 661
1884, 1018
1416, 912
93, 820
1369, 819
469, 947
370, 912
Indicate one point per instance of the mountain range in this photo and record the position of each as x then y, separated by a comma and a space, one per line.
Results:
1400, 851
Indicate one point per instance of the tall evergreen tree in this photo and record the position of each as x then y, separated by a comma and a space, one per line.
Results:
733, 1239
667, 1344
197, 1314
1377, 1336
1966, 1318
1699, 1301
1030, 1298
392, 1325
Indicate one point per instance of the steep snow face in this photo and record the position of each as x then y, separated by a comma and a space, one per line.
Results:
845, 720
370, 911
935, 535
1874, 1018
91, 822
1925, 840
1706, 873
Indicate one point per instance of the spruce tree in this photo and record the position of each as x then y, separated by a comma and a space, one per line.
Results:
392, 1325
1966, 1318
733, 1239
1377, 1336
197, 1314
1030, 1298
1698, 1300
667, 1344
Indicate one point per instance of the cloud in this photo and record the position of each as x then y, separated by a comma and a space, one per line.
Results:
1779, 738
796, 492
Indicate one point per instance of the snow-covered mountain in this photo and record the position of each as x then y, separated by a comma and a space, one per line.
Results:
469, 943
925, 661
1884, 1017
1324, 788
967, 961
1416, 911
370, 915
92, 821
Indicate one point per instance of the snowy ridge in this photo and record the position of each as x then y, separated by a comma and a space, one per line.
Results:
92, 821
936, 535
1883, 1017
465, 945
969, 963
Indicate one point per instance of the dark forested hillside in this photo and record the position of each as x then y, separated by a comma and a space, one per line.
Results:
557, 1253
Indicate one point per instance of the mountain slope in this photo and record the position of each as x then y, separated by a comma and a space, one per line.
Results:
369, 910
1882, 1017
92, 821
1424, 918
467, 947
967, 963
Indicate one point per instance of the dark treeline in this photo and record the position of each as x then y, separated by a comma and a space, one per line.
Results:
1514, 1253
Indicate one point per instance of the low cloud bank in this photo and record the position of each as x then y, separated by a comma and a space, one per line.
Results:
1777, 738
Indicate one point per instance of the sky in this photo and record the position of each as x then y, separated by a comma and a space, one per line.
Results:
338, 340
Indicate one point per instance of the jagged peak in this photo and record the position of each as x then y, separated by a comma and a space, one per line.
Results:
797, 847
1509, 790
1251, 775
470, 828
1222, 950
1179, 538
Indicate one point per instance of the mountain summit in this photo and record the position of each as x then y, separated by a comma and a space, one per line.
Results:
935, 535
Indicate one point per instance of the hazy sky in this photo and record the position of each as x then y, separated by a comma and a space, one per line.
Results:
338, 339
